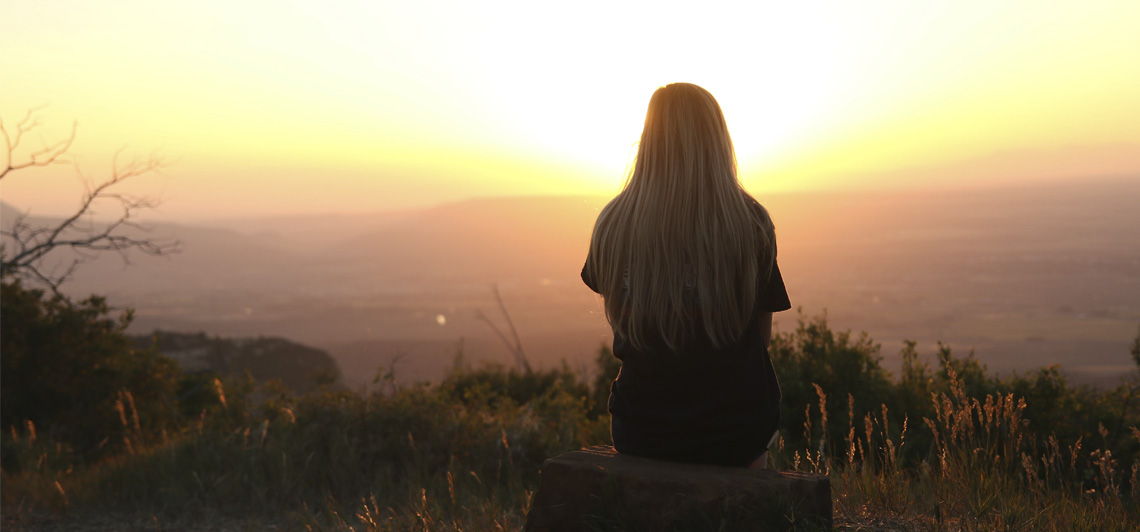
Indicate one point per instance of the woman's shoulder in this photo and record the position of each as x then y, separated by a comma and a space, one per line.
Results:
759, 209
753, 202
608, 208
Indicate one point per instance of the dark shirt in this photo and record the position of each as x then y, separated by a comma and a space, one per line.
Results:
703, 405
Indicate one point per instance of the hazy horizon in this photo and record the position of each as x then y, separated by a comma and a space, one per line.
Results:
357, 107
1050, 169
1027, 275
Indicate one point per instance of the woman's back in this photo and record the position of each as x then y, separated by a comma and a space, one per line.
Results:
685, 260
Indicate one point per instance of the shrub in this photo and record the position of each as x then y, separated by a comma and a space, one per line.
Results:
841, 366
69, 370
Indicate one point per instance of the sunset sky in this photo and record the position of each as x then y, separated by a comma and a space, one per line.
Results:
269, 107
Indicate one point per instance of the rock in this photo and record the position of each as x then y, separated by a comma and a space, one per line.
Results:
600, 489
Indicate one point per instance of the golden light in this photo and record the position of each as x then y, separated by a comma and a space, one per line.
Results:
416, 103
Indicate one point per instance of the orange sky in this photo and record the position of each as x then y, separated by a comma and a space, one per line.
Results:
305, 106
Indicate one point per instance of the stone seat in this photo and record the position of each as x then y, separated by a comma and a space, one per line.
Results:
600, 489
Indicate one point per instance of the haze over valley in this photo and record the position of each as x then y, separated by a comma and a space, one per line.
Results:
1024, 275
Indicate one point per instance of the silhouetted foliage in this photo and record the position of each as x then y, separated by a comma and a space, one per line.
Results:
842, 367
69, 369
496, 384
31, 251
469, 448
848, 372
299, 367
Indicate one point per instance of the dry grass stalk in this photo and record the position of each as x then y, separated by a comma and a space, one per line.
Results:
122, 412
823, 417
807, 424
451, 489
868, 430
1074, 452
62, 494
221, 391
134, 411
1105, 465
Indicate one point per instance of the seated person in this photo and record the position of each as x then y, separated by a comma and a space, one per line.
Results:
685, 260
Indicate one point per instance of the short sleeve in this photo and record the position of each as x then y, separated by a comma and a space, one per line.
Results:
774, 295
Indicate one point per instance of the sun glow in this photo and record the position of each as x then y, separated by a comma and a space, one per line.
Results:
425, 102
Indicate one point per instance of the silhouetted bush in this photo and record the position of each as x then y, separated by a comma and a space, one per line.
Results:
849, 373
69, 370
841, 365
465, 453
493, 384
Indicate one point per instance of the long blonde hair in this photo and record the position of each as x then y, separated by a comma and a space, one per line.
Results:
682, 234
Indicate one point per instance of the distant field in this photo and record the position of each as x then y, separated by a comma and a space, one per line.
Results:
1024, 277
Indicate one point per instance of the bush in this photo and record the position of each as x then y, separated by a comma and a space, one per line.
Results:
465, 454
814, 359
69, 371
493, 383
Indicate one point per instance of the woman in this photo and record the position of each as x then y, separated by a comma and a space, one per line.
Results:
685, 260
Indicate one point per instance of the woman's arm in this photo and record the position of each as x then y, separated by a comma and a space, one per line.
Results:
766, 327
766, 336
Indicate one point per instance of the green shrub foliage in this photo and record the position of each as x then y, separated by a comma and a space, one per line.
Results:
848, 370
468, 449
69, 370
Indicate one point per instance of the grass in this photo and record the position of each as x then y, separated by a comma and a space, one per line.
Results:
982, 472
392, 461
465, 455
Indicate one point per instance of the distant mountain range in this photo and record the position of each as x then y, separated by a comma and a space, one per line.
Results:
490, 238
1026, 275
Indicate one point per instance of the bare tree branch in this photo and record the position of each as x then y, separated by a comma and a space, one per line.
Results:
24, 247
48, 154
387, 379
516, 348
510, 323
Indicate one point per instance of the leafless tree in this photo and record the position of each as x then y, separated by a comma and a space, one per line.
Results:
25, 245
